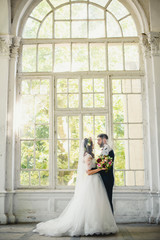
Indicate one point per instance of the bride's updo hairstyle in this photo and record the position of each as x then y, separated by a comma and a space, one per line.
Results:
88, 144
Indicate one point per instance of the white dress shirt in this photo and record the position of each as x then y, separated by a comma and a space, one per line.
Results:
105, 149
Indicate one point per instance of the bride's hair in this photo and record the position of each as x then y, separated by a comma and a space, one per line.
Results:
88, 143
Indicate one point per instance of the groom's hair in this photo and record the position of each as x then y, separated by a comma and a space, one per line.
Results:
103, 135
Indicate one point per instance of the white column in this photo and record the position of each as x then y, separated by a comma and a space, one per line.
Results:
10, 161
154, 39
5, 42
152, 70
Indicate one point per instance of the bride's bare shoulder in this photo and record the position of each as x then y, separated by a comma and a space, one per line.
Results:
87, 155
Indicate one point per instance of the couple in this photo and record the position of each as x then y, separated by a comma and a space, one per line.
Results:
90, 210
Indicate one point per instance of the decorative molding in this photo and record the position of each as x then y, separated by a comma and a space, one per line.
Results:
15, 47
9, 45
146, 47
154, 40
150, 43
5, 43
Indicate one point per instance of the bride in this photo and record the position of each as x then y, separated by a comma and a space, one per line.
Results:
89, 211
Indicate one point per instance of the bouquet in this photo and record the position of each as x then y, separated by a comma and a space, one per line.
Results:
104, 162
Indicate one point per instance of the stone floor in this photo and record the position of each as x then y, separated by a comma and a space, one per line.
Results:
127, 232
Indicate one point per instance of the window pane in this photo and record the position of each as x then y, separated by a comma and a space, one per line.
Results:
62, 100
79, 11
31, 28
42, 131
42, 154
99, 100
27, 130
66, 178
74, 153
63, 12
120, 131
35, 87
130, 181
140, 178
73, 100
29, 58
58, 29
100, 2
135, 131
98, 85
119, 178
25, 86
116, 86
119, 108
44, 58
117, 9
113, 29
79, 29
62, 57
27, 109
87, 100
126, 85
100, 125
56, 3
42, 109
41, 10
27, 154
61, 85
24, 178
62, 127
97, 56
128, 27
136, 154
79, 57
44, 87
87, 85
44, 178
96, 29
73, 126
46, 28
73, 85
62, 154
121, 152
87, 126
131, 56
95, 12
136, 85
134, 108
34, 177
115, 56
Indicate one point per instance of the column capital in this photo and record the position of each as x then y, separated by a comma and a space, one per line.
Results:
151, 43
5, 43
154, 40
9, 45
15, 46
146, 47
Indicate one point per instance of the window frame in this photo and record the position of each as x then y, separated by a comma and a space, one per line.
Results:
108, 74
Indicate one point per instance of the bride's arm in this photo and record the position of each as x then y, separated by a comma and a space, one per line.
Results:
88, 163
90, 172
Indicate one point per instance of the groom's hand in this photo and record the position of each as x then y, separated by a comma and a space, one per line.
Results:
103, 168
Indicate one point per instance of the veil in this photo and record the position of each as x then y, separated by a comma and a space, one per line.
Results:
81, 171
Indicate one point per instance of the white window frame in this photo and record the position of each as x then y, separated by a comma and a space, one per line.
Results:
108, 74
91, 111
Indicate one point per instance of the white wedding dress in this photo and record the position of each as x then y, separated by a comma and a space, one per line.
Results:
88, 212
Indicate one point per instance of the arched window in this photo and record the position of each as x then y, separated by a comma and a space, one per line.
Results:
79, 75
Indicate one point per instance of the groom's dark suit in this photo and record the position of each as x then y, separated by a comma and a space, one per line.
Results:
108, 180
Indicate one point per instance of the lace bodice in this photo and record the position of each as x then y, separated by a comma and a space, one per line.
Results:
89, 161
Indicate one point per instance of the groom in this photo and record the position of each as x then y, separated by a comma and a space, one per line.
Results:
108, 178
